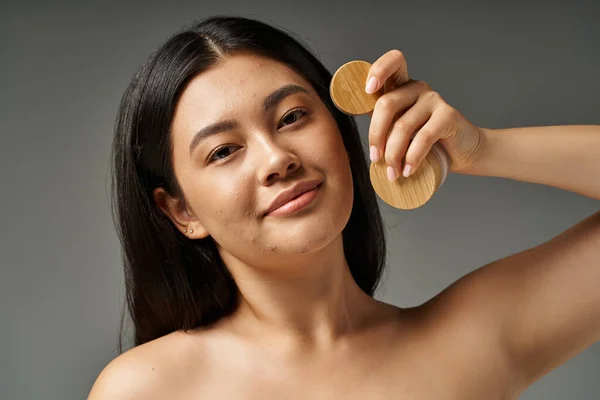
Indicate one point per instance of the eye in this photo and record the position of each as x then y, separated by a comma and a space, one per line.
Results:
293, 116
220, 153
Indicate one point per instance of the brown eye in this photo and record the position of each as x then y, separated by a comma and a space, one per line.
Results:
220, 153
293, 116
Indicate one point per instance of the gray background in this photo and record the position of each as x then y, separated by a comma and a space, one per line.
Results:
65, 66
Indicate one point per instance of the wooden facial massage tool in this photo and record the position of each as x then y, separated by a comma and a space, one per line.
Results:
348, 94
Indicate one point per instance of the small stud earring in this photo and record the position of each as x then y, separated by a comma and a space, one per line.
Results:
185, 231
191, 231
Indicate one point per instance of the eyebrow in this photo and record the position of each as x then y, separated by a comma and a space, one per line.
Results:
270, 101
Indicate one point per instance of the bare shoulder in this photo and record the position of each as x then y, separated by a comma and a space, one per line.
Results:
152, 370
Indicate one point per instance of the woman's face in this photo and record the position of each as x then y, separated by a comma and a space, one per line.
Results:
262, 145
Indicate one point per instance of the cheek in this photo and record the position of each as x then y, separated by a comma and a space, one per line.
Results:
221, 201
333, 155
335, 150
342, 167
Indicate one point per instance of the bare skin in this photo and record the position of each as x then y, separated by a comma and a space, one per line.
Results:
304, 328
399, 354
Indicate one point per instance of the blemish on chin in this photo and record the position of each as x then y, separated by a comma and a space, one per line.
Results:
303, 250
272, 247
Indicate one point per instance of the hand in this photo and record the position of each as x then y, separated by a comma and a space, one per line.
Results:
410, 109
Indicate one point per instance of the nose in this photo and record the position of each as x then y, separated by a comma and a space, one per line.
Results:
276, 162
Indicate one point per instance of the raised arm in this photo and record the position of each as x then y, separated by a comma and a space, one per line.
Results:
545, 301
540, 306
567, 157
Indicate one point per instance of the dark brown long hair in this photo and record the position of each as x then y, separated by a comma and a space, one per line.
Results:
174, 283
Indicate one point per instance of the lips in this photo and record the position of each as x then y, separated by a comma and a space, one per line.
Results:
292, 193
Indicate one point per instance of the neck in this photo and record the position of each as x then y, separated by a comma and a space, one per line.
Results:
312, 300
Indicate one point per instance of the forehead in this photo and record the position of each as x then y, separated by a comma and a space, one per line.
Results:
235, 80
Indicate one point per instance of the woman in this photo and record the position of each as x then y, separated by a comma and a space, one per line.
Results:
238, 292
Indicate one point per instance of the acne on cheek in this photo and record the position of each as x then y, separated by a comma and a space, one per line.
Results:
221, 214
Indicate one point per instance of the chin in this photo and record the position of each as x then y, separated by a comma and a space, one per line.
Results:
311, 233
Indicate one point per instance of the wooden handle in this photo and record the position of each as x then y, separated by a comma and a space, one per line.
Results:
348, 94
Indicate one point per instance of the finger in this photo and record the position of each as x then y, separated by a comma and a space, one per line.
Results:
423, 141
389, 67
403, 130
387, 108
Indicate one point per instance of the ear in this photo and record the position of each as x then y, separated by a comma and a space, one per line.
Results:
181, 216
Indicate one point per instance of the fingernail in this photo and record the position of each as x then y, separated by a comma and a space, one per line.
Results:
407, 171
371, 85
391, 173
374, 154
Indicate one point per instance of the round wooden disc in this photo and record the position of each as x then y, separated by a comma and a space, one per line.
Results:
347, 89
407, 193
